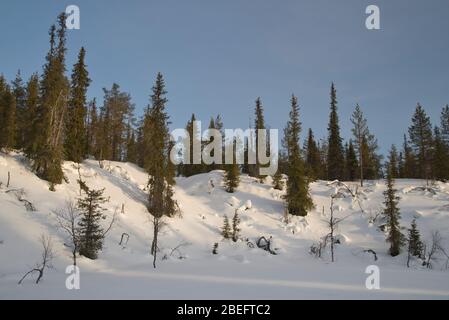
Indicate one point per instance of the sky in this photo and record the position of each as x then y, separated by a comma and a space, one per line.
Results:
219, 56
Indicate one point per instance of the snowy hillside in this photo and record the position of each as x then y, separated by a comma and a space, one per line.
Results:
238, 271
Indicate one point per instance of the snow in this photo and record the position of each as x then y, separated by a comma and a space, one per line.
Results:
237, 271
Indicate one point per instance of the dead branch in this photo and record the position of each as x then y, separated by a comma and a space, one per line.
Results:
114, 218
47, 257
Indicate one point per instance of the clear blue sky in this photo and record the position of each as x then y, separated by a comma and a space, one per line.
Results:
218, 56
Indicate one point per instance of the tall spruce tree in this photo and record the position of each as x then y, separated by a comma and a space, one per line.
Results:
131, 145
75, 126
92, 129
360, 132
194, 138
30, 115
157, 162
335, 157
19, 91
7, 116
313, 158
161, 172
298, 199
420, 133
392, 215
48, 149
260, 139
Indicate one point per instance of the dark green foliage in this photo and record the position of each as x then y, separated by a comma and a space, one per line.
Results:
297, 197
194, 165
90, 230
351, 163
235, 226
131, 145
314, 166
75, 128
361, 133
157, 147
420, 133
232, 174
226, 229
409, 167
115, 115
7, 116
48, 142
392, 216
92, 130
31, 105
21, 124
416, 247
440, 157
278, 184
335, 157
393, 165
259, 124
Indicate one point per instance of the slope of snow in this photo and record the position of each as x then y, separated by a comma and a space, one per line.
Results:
191, 271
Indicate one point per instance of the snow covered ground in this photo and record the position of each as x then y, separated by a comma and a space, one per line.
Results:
192, 271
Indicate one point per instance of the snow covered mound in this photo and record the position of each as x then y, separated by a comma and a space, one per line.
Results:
187, 269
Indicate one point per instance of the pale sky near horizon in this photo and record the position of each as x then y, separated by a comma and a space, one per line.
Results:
219, 56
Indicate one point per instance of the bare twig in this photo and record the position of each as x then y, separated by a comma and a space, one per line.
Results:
68, 219
47, 257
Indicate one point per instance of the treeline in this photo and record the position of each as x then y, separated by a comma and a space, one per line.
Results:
51, 120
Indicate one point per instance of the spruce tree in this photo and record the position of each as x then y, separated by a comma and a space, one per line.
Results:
298, 198
194, 138
30, 116
92, 130
90, 229
393, 162
259, 124
115, 114
7, 117
75, 126
232, 173
351, 164
160, 169
48, 148
416, 246
440, 157
409, 169
420, 133
278, 184
131, 145
392, 215
19, 91
313, 157
235, 226
335, 165
360, 132
226, 229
